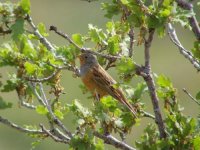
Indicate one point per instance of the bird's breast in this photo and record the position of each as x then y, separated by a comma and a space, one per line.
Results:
88, 80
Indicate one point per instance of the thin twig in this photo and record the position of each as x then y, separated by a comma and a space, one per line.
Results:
146, 114
43, 79
17, 127
54, 137
109, 139
34, 89
186, 53
192, 98
82, 49
27, 105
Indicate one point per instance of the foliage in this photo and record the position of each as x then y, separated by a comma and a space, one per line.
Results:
36, 65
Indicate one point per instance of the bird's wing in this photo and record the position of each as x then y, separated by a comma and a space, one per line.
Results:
106, 82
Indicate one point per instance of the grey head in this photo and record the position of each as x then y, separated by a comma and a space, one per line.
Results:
87, 60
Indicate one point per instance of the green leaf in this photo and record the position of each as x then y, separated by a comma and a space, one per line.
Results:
139, 90
111, 9
196, 142
99, 145
25, 5
59, 114
198, 95
96, 35
196, 49
4, 105
77, 38
165, 12
161, 31
77, 107
163, 81
125, 65
109, 102
41, 110
28, 48
30, 68
11, 84
113, 44
17, 29
125, 2
42, 29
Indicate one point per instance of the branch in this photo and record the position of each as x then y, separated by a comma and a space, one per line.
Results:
55, 119
192, 20
131, 36
183, 51
192, 98
27, 105
109, 139
82, 49
54, 137
42, 39
151, 86
17, 127
148, 115
43, 79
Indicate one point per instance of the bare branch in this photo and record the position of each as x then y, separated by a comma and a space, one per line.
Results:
148, 115
43, 79
151, 86
17, 127
27, 105
186, 53
192, 98
34, 89
82, 49
54, 137
192, 20
109, 139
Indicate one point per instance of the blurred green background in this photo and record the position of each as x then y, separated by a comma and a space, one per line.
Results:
73, 16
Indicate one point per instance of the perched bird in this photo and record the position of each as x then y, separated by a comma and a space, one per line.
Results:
98, 81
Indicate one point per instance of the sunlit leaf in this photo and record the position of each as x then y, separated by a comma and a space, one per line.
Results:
77, 38
42, 29
41, 110
25, 4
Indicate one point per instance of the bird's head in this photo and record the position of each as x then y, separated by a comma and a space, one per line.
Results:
87, 59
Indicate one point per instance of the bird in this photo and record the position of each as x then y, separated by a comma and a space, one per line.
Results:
99, 82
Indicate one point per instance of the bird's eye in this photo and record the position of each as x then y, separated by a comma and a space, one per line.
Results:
86, 57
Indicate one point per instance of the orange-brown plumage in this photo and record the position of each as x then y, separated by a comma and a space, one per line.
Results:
98, 81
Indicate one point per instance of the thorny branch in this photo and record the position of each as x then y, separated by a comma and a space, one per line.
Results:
183, 51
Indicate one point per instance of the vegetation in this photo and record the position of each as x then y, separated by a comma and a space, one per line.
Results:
38, 64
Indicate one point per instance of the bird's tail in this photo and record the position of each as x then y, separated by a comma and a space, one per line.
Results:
129, 106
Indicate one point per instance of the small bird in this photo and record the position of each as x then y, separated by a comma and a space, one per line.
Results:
98, 81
